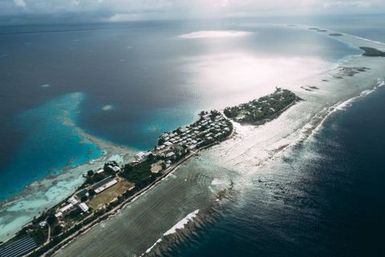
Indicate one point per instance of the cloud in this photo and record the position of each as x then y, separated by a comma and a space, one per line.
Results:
123, 10
358, 4
20, 3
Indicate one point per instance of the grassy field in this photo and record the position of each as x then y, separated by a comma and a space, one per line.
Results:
109, 194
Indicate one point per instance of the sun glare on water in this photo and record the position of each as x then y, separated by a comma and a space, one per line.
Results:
214, 34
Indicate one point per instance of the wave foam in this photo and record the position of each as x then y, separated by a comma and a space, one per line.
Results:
180, 225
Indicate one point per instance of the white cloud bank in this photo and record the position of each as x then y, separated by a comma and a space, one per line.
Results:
354, 4
120, 10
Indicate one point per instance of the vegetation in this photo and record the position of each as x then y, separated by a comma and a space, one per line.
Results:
137, 173
263, 109
211, 128
93, 178
372, 52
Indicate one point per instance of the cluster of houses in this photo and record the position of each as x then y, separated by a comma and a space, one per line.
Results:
211, 127
172, 146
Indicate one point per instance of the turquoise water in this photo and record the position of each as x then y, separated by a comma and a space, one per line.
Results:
51, 143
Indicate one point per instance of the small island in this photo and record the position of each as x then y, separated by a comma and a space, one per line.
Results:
345, 71
108, 189
335, 34
372, 52
264, 109
318, 29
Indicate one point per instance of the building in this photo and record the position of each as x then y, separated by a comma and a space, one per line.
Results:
18, 248
84, 207
73, 200
82, 194
142, 156
101, 170
170, 155
104, 184
63, 210
43, 223
115, 169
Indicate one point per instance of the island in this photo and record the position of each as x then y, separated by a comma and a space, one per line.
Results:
372, 52
309, 88
110, 188
335, 34
345, 71
318, 29
264, 109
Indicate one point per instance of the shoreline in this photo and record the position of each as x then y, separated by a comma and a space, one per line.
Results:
164, 242
281, 150
68, 180
316, 124
110, 214
327, 113
169, 241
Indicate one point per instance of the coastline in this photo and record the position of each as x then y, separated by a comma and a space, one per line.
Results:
47, 192
189, 224
306, 132
247, 144
280, 146
111, 213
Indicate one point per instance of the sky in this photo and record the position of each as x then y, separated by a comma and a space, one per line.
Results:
124, 10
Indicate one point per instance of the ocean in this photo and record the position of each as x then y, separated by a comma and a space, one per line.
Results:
137, 80
325, 198
126, 83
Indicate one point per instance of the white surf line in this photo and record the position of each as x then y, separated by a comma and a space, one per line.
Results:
342, 106
368, 40
178, 226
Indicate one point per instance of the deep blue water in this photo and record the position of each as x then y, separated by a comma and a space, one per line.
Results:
326, 199
137, 68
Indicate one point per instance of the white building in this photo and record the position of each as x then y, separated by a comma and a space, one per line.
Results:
84, 207
142, 156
